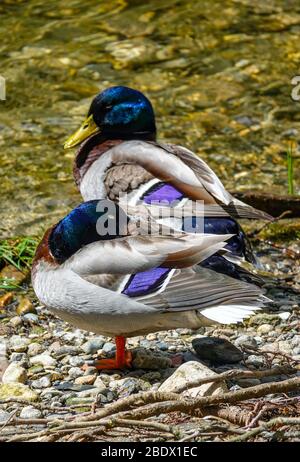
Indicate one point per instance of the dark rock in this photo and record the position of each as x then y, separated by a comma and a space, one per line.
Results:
216, 350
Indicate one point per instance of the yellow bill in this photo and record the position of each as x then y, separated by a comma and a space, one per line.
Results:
87, 129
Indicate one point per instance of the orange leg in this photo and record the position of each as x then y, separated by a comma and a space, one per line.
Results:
121, 360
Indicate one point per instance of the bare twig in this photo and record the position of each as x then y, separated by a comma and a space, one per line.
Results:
113, 422
138, 399
278, 421
190, 437
197, 406
273, 353
266, 225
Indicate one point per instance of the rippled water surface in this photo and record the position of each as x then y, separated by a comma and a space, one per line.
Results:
219, 75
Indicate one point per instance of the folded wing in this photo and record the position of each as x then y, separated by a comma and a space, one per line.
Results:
216, 296
130, 255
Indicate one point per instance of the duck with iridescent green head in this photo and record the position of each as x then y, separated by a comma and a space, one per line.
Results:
97, 271
119, 153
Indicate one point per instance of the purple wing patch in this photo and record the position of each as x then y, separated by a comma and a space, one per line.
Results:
146, 282
162, 192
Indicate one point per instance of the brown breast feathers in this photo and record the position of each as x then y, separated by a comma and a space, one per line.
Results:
124, 178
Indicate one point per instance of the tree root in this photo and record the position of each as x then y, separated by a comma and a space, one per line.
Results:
277, 422
133, 412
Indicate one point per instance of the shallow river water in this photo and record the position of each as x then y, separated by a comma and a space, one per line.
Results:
218, 73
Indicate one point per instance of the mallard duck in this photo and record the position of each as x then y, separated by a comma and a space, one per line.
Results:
119, 154
123, 283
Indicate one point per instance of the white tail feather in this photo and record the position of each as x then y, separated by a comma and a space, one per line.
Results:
229, 314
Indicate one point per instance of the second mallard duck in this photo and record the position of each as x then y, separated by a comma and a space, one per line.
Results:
114, 281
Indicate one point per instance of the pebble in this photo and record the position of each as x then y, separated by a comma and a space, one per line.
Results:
45, 359
3, 348
272, 335
274, 346
90, 392
4, 416
18, 344
189, 372
128, 386
66, 350
66, 385
93, 345
89, 370
18, 358
285, 346
56, 404
73, 336
34, 349
246, 341
54, 375
76, 361
254, 360
108, 347
85, 380
31, 318
151, 337
43, 382
50, 392
100, 385
284, 316
14, 374
265, 328
75, 372
216, 350
30, 412
15, 321
145, 344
